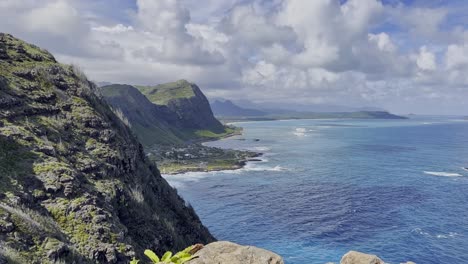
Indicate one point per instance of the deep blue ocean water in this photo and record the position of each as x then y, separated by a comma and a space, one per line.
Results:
392, 188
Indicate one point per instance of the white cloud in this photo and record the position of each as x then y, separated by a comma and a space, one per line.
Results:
116, 29
57, 18
457, 56
426, 60
323, 51
383, 41
421, 21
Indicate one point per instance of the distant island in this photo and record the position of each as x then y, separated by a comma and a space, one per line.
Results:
227, 111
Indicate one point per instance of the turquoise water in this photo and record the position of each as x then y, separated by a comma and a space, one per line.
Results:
392, 188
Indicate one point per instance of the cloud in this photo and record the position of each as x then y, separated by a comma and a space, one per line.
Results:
116, 29
355, 52
457, 56
175, 44
426, 60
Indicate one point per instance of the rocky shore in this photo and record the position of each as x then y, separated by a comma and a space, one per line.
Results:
199, 158
223, 252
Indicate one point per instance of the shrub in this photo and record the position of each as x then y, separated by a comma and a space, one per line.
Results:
179, 258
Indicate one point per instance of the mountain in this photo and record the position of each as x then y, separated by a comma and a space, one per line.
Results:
282, 108
228, 108
349, 115
152, 124
76, 186
177, 113
187, 102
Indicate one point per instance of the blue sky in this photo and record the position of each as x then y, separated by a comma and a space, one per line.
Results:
405, 56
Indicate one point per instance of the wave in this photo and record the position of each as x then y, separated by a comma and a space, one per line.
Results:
300, 131
443, 174
260, 148
181, 179
449, 235
420, 231
263, 168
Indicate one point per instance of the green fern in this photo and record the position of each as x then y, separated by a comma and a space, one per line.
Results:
179, 258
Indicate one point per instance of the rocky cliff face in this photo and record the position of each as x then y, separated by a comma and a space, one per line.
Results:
187, 102
75, 184
151, 123
167, 114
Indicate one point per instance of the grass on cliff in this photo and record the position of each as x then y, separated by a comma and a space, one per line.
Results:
208, 134
162, 94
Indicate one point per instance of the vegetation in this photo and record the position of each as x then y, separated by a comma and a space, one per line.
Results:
162, 94
76, 186
208, 134
196, 157
179, 258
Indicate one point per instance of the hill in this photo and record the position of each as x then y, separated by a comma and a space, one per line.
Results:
190, 105
151, 124
76, 186
228, 108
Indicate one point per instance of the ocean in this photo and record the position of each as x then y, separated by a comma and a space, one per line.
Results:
394, 188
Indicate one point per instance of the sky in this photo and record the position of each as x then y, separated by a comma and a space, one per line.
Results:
404, 56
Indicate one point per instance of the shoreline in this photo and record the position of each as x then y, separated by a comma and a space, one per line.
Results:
215, 159
240, 165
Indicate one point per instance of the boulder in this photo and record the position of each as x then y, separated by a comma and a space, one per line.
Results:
223, 252
354, 257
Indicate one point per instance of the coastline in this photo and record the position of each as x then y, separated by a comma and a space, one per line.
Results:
198, 157
240, 164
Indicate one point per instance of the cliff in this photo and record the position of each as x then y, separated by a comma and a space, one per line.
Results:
75, 184
169, 114
152, 124
187, 102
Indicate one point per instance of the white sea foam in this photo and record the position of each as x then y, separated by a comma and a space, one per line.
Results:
443, 174
262, 168
260, 148
449, 235
300, 132
427, 234
181, 179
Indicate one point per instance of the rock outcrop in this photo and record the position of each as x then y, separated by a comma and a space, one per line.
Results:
229, 253
354, 257
76, 186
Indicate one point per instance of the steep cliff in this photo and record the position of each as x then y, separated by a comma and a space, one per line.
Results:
75, 184
187, 102
151, 123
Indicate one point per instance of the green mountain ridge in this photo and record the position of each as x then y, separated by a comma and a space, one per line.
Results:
76, 186
187, 101
183, 114
149, 122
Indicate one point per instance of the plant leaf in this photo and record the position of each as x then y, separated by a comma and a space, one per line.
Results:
166, 257
151, 255
185, 259
134, 261
187, 250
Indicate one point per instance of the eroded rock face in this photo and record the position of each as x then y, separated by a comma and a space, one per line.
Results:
75, 185
354, 257
229, 253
